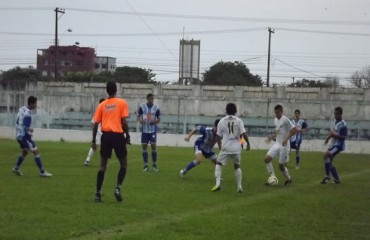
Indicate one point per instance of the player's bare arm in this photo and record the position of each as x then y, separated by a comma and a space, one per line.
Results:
271, 137
126, 130
187, 138
246, 138
94, 132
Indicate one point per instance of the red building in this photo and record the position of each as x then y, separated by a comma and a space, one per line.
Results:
69, 58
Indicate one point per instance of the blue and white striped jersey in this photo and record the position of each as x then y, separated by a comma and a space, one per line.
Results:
341, 128
206, 141
23, 122
149, 114
299, 124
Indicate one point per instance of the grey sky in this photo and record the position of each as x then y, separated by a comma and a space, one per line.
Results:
312, 38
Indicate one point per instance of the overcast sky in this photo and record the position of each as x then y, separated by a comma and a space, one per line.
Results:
312, 39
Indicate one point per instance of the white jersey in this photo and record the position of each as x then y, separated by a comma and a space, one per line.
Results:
283, 127
229, 129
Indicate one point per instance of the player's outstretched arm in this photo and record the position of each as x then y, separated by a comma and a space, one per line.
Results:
187, 138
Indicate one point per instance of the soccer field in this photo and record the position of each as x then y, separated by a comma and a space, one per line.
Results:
165, 206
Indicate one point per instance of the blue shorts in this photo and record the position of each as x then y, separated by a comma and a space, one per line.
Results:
295, 145
206, 154
334, 150
27, 143
148, 138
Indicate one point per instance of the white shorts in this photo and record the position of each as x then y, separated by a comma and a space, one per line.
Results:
280, 151
224, 157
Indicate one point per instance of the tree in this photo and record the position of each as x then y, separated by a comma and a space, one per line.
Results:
361, 79
230, 74
328, 82
134, 75
17, 77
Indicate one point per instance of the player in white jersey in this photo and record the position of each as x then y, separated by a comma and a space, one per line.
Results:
24, 137
229, 129
296, 140
98, 136
149, 116
284, 130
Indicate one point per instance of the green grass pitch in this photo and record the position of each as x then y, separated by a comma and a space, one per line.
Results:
165, 206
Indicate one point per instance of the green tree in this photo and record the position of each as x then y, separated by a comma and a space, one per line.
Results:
230, 74
78, 77
329, 82
17, 77
134, 75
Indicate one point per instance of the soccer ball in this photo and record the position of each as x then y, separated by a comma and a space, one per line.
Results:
272, 181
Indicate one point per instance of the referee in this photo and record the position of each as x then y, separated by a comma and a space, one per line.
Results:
112, 114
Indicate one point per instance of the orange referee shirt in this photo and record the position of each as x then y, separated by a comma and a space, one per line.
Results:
110, 113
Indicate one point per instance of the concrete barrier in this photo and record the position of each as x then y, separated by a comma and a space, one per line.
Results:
174, 140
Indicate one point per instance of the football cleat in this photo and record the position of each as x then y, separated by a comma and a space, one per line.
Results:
240, 189
17, 172
97, 197
145, 169
155, 169
87, 163
288, 182
117, 194
182, 172
337, 181
216, 188
45, 174
325, 180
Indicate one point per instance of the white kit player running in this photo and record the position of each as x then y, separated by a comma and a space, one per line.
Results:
98, 136
285, 129
229, 129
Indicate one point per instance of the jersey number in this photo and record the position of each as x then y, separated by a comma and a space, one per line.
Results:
230, 126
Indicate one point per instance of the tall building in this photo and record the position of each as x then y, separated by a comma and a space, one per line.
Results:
72, 59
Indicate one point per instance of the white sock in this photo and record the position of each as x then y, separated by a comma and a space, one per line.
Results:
218, 171
270, 169
286, 173
90, 154
238, 175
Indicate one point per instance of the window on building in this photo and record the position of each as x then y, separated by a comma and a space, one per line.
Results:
80, 63
104, 65
97, 65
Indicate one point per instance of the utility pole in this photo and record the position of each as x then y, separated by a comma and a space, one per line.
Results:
56, 63
268, 57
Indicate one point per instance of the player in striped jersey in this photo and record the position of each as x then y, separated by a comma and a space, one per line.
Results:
203, 146
24, 137
338, 134
296, 140
149, 116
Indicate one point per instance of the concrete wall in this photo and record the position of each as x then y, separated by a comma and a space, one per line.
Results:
174, 140
315, 103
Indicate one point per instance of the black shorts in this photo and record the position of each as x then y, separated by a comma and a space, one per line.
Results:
110, 141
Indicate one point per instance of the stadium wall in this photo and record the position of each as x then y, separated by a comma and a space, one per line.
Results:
196, 100
173, 140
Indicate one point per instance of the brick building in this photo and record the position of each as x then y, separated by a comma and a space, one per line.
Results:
70, 59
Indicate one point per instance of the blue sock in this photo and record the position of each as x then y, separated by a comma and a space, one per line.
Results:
333, 171
145, 158
327, 167
19, 161
191, 165
154, 157
39, 163
297, 159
